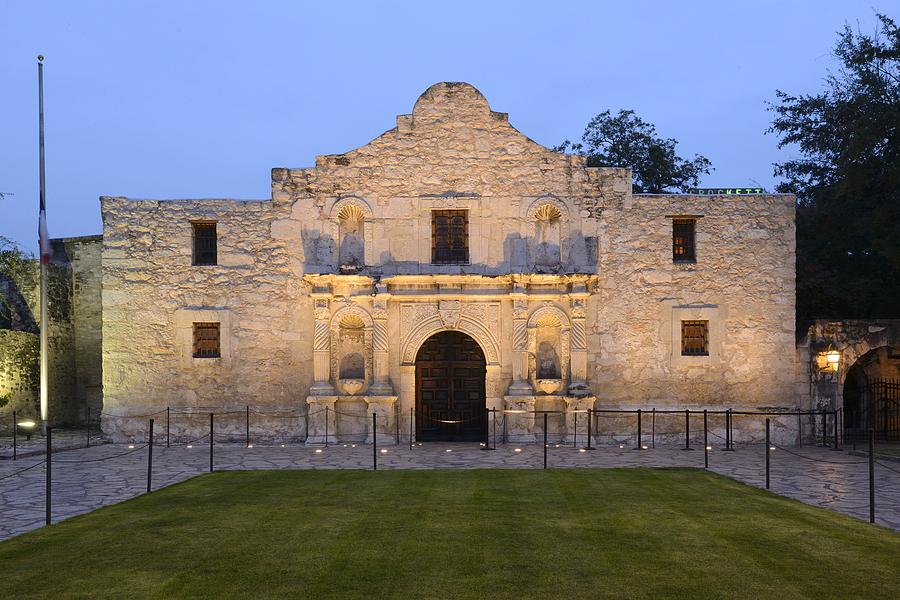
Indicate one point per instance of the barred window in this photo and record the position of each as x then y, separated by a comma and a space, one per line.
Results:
683, 240
449, 237
206, 340
204, 243
695, 338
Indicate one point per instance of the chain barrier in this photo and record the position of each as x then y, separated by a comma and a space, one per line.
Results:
14, 473
821, 460
105, 458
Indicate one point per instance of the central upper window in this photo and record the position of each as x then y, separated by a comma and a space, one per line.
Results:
450, 237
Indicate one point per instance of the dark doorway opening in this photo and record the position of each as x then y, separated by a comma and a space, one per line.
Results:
450, 392
872, 396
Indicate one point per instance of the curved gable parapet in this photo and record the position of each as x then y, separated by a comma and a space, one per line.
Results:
453, 101
452, 140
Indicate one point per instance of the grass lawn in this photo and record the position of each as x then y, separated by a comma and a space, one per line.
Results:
618, 533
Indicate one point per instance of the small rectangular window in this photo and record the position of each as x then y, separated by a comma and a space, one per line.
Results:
450, 237
683, 244
204, 243
206, 340
695, 338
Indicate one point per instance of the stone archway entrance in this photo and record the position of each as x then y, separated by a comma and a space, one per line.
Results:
871, 395
450, 389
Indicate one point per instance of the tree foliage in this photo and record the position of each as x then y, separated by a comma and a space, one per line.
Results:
626, 140
847, 179
17, 272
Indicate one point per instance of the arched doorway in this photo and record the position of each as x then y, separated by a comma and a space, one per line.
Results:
871, 395
450, 390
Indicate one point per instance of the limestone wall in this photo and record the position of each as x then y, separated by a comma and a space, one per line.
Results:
152, 293
742, 282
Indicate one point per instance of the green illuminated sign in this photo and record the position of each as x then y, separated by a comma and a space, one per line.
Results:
729, 191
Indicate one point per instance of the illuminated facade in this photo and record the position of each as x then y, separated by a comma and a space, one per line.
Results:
449, 267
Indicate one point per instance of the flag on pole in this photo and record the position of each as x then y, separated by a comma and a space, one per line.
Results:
43, 237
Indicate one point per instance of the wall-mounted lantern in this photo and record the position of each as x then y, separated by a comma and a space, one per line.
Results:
834, 359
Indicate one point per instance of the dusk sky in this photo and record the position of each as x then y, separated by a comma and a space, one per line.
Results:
201, 99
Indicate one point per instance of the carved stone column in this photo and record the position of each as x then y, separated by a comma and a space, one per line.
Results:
321, 347
382, 383
520, 385
578, 340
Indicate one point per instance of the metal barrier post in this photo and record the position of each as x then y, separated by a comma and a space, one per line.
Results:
871, 474
150, 457
88, 433
731, 429
639, 428
575, 426
687, 429
411, 428
799, 429
48, 499
15, 433
505, 433
768, 452
705, 440
494, 425
824, 429
653, 429
247, 426
374, 443
211, 441
835, 429
167, 427
326, 426
545, 440
397, 425
590, 418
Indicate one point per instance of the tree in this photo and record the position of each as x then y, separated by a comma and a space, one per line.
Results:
847, 179
626, 140
17, 273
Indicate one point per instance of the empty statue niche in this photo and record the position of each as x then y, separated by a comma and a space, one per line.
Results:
547, 238
351, 252
352, 348
548, 362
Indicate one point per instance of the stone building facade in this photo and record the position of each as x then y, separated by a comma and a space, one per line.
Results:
449, 267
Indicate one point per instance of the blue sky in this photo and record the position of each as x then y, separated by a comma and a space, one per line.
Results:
201, 99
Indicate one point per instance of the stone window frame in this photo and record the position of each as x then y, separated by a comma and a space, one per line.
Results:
422, 228
701, 347
466, 213
184, 335
334, 217
196, 225
714, 316
201, 340
695, 219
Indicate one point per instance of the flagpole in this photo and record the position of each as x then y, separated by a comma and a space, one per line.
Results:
42, 234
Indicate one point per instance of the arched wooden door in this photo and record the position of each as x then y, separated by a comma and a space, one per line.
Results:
450, 398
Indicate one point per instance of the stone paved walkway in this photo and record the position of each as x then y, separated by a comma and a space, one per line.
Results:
817, 476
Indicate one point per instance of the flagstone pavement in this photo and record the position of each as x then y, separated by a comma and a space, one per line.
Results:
88, 478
